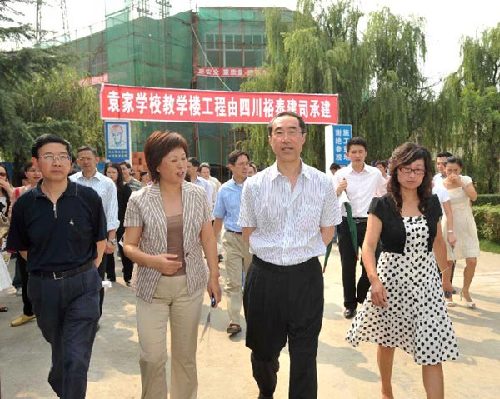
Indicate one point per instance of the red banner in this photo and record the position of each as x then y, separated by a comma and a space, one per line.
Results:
228, 72
204, 106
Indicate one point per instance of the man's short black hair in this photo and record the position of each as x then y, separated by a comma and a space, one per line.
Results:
234, 155
444, 154
193, 161
86, 148
357, 141
127, 164
47, 139
302, 124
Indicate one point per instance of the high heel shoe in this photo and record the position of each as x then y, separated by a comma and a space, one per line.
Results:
468, 302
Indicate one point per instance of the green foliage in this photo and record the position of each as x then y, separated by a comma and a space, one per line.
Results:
38, 94
488, 222
487, 199
489, 246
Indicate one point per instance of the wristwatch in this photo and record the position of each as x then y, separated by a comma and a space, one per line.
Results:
112, 241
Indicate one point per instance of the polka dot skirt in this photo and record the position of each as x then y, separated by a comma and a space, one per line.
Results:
416, 319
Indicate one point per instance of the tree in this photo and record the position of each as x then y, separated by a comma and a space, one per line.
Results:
16, 67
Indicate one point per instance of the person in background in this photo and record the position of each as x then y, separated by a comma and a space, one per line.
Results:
32, 177
193, 177
252, 169
167, 226
5, 194
123, 191
5, 191
462, 193
128, 179
59, 228
404, 307
382, 166
358, 183
89, 176
145, 178
441, 158
334, 168
238, 258
204, 173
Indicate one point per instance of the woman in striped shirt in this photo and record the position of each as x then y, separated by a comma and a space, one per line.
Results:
168, 227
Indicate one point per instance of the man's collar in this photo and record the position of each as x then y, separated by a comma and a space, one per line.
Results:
97, 175
71, 189
304, 170
351, 169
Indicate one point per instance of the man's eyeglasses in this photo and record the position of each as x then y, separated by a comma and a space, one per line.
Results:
408, 171
289, 133
49, 157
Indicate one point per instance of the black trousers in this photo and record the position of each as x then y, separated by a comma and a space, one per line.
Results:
284, 303
27, 306
102, 270
353, 293
67, 313
128, 265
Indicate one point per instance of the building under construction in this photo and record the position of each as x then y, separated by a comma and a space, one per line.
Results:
139, 47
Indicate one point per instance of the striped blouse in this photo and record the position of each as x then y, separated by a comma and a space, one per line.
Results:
288, 222
145, 209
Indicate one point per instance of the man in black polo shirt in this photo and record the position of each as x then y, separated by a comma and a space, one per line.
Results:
59, 227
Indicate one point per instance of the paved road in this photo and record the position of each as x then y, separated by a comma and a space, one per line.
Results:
224, 364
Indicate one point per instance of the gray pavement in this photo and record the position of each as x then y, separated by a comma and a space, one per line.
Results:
224, 370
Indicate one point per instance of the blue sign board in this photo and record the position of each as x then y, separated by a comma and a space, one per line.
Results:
341, 135
117, 136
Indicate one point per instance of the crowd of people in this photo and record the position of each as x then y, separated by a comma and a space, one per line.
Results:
404, 226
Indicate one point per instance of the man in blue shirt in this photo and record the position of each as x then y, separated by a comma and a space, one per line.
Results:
238, 258
59, 227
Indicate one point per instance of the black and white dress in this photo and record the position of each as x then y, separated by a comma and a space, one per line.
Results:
416, 319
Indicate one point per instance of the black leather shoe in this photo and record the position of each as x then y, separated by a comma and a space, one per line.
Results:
349, 313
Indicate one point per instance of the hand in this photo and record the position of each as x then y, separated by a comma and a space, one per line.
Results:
166, 264
454, 179
342, 186
379, 294
213, 288
110, 248
6, 186
452, 239
447, 286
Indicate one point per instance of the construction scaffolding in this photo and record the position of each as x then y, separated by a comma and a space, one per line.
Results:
144, 47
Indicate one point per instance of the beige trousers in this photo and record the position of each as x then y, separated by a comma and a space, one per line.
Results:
237, 261
170, 301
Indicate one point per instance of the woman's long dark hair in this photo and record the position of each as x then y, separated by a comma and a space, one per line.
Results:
119, 179
4, 192
404, 155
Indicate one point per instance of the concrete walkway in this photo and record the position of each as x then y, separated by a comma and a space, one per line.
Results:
224, 370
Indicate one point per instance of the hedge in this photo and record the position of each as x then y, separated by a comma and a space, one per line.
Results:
488, 222
483, 199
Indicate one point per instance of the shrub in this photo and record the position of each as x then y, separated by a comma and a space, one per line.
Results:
483, 199
488, 222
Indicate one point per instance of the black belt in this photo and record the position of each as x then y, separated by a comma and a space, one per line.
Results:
65, 274
234, 232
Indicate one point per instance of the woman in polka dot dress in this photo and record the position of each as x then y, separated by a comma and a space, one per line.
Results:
405, 306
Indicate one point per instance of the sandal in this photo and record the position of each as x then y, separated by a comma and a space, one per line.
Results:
4, 309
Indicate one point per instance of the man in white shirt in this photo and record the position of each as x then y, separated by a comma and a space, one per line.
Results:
193, 177
89, 176
288, 216
360, 183
441, 159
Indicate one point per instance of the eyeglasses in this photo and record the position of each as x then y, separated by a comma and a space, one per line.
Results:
289, 133
408, 171
3, 174
49, 157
